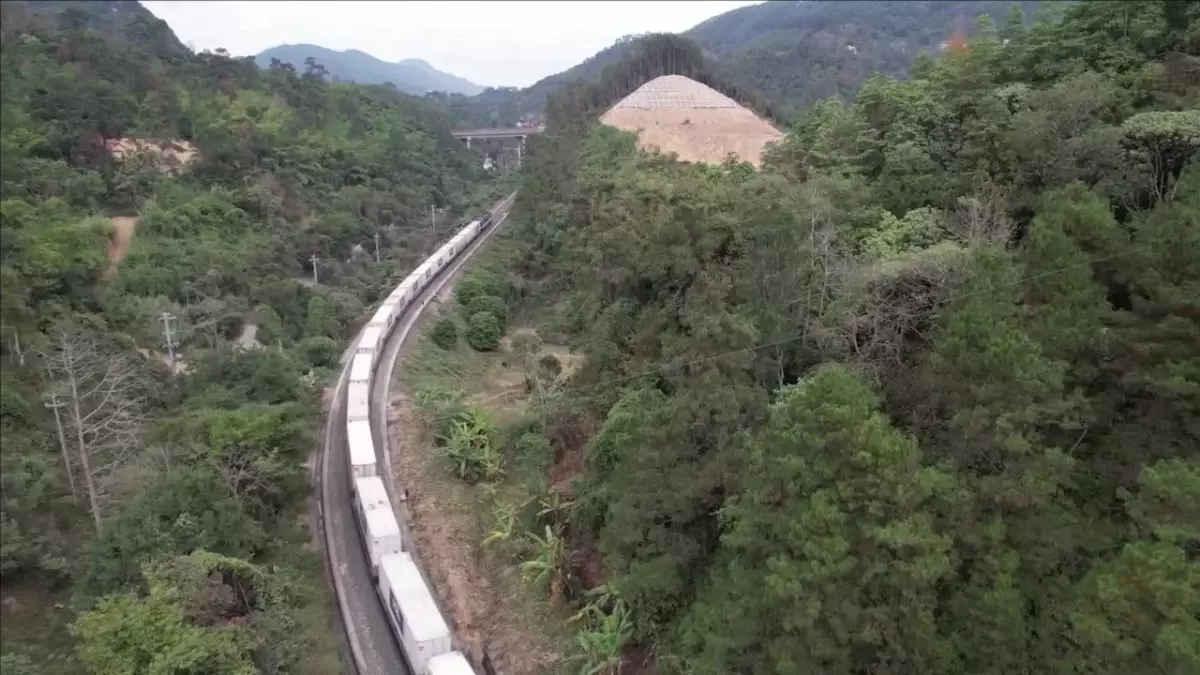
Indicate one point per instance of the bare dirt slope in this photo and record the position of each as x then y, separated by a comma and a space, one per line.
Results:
676, 114
168, 156
118, 246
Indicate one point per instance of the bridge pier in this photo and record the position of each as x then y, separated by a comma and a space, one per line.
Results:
499, 142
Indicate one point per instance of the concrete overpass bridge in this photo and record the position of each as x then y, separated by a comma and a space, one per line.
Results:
495, 142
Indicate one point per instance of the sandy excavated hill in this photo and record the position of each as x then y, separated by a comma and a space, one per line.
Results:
675, 114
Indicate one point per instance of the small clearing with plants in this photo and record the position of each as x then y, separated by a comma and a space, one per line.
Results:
479, 504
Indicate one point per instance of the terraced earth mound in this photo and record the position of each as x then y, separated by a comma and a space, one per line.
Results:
676, 114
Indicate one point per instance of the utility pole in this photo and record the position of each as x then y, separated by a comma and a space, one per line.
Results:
313, 258
166, 319
432, 219
16, 346
54, 404
376, 247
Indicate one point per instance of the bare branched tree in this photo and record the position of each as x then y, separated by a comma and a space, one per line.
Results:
983, 219
888, 311
247, 477
103, 409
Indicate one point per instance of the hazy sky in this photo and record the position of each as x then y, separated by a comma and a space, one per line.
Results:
489, 43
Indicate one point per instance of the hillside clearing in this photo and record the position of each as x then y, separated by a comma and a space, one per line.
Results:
676, 114
118, 246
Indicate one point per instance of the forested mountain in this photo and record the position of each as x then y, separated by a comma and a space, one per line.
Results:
125, 20
921, 396
799, 52
412, 76
162, 528
793, 52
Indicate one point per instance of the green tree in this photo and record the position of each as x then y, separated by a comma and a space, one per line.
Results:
124, 634
319, 319
484, 331
832, 559
491, 304
445, 333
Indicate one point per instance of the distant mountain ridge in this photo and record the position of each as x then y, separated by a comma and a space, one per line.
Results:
413, 76
792, 52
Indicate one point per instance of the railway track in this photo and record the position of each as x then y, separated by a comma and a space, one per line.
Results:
371, 642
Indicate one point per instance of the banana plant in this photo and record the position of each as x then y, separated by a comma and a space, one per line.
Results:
469, 448
553, 508
599, 598
506, 523
599, 646
551, 553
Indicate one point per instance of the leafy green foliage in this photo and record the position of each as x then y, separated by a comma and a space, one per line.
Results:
204, 612
484, 331
445, 333
831, 543
490, 304
101, 226
971, 297
467, 445
163, 642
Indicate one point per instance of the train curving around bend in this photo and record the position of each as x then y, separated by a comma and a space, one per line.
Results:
420, 628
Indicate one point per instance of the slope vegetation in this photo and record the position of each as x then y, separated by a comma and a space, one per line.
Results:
162, 528
920, 396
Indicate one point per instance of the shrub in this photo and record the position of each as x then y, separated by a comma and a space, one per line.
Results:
491, 304
445, 333
483, 332
319, 351
471, 286
549, 366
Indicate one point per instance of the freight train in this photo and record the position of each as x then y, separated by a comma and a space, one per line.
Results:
420, 628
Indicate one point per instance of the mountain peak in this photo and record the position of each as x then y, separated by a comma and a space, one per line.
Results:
414, 76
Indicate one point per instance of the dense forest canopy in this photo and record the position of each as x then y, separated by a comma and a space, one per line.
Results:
922, 396
161, 525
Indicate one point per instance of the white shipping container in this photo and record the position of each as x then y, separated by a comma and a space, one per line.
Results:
371, 340
381, 532
358, 401
385, 315
401, 294
415, 283
453, 663
362, 449
410, 606
360, 368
